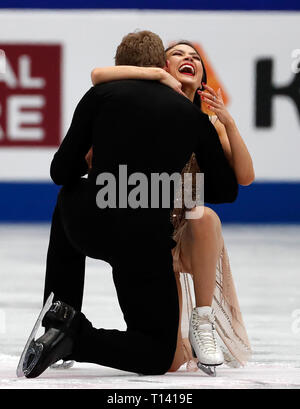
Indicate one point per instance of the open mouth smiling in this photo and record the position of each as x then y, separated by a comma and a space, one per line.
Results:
187, 69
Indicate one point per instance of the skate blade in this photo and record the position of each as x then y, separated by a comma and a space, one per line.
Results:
62, 365
31, 348
209, 370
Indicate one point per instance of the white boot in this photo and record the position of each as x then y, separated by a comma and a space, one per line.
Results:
202, 336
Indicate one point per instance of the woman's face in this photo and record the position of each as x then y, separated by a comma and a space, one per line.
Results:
185, 65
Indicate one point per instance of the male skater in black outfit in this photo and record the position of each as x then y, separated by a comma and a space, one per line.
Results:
150, 128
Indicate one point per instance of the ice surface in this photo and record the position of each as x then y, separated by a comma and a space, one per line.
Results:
265, 262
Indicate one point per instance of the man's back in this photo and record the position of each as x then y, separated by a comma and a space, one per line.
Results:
145, 125
149, 128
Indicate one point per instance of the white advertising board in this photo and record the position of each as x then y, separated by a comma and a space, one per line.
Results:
254, 55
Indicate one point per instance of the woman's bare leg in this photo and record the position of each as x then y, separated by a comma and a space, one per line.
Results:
201, 246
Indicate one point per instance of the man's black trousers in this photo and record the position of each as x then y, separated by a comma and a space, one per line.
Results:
137, 246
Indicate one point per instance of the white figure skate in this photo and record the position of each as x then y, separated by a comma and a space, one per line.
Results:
203, 339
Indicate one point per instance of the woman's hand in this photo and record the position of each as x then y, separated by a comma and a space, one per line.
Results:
233, 144
215, 104
171, 82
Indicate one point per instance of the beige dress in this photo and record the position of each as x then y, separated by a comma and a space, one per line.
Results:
229, 322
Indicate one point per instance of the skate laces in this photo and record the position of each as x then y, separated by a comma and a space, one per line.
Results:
61, 309
55, 307
204, 328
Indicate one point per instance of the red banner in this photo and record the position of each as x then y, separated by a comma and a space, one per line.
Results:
30, 95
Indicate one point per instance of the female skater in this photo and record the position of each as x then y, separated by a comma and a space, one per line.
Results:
216, 330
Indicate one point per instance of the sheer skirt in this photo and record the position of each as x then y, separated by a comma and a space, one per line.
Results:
229, 321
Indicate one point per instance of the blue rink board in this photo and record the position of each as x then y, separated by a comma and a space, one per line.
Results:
259, 203
155, 4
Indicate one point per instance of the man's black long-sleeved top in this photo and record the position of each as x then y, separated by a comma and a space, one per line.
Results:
148, 127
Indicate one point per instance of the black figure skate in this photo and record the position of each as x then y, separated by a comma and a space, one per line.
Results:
55, 344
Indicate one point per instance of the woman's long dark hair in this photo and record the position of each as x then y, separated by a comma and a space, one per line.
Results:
197, 99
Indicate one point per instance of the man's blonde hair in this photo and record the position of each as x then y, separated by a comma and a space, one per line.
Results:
142, 49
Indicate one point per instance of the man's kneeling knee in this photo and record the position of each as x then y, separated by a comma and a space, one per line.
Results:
160, 363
